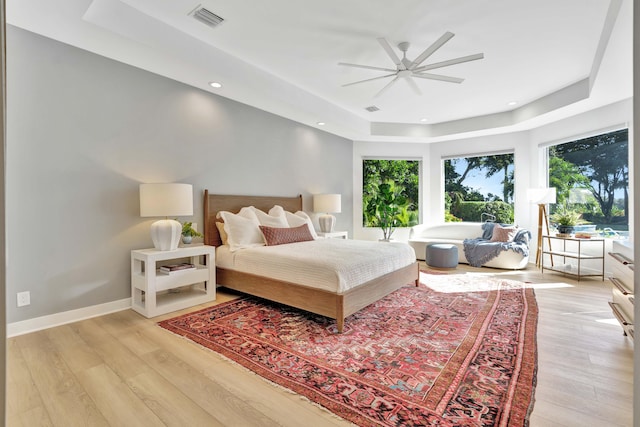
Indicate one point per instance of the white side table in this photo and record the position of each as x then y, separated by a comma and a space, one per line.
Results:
151, 293
334, 235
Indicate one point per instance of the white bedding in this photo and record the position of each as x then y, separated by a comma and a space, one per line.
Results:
334, 265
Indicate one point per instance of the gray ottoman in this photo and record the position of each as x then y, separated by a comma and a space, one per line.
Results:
443, 255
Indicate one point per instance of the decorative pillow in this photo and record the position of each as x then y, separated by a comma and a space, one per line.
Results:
279, 236
242, 229
299, 218
274, 218
223, 234
503, 234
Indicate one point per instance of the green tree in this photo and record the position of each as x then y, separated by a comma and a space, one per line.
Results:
501, 163
603, 160
387, 208
564, 176
405, 174
457, 193
453, 181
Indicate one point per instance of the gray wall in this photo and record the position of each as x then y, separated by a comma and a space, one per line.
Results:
84, 131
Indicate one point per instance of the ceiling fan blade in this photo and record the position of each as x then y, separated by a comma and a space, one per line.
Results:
438, 77
368, 80
392, 54
346, 64
431, 49
413, 85
450, 62
387, 86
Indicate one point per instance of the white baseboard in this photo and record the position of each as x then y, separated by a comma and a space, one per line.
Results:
57, 319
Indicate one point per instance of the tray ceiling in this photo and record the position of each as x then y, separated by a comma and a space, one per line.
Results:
543, 60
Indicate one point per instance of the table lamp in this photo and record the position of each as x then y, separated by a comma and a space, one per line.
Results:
327, 204
541, 197
166, 200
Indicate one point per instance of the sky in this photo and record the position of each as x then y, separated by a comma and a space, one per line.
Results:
476, 179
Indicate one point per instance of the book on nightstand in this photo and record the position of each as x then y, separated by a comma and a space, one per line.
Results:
176, 268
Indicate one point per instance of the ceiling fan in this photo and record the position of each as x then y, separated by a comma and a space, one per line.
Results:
409, 69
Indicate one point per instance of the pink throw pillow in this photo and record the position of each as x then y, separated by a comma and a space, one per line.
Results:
503, 234
279, 236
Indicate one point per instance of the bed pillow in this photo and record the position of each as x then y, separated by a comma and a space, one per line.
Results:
275, 218
223, 234
242, 229
276, 210
503, 234
299, 218
279, 236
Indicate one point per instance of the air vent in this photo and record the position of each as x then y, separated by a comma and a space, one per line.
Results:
372, 109
207, 17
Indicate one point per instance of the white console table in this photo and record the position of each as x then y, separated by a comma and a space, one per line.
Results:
154, 293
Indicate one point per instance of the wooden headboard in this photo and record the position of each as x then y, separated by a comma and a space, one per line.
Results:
214, 203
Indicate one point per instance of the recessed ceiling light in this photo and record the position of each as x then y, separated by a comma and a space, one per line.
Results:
512, 103
321, 123
424, 119
215, 84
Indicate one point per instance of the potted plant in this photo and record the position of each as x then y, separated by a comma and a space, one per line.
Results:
387, 208
188, 233
565, 220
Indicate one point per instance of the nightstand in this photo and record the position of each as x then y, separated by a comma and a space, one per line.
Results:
334, 235
154, 293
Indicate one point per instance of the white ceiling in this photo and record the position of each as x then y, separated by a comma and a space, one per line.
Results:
554, 58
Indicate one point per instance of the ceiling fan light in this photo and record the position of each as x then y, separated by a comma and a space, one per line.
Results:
408, 69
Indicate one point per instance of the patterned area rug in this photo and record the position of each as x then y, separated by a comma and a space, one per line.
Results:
459, 350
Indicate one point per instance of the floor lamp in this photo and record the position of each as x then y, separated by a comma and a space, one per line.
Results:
541, 197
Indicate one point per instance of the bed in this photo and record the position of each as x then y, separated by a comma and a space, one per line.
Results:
333, 304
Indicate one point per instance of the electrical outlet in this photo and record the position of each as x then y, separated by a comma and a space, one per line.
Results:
24, 298
194, 225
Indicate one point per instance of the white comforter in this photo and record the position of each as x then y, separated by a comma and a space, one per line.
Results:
331, 264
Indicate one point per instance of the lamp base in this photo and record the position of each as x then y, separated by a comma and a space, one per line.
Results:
165, 234
326, 223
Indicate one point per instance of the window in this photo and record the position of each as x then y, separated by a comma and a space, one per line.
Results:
478, 188
390, 193
591, 176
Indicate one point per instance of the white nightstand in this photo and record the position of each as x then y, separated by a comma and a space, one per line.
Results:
334, 235
151, 293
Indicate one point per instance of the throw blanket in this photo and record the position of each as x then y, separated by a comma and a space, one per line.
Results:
480, 251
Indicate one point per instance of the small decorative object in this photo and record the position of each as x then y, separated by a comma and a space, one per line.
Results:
188, 233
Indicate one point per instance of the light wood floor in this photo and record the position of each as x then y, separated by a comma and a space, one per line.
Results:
123, 370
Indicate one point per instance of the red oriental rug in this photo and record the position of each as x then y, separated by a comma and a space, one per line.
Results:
458, 350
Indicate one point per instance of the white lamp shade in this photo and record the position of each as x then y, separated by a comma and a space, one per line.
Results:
327, 203
166, 200
541, 196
